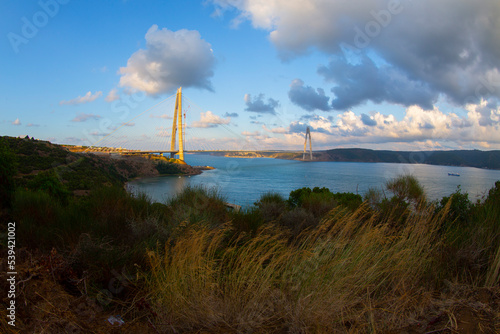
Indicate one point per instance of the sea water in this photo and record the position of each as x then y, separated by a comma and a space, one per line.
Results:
242, 181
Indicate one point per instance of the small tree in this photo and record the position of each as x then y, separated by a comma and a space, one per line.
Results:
406, 188
298, 196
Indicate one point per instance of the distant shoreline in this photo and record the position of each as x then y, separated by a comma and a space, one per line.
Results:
454, 158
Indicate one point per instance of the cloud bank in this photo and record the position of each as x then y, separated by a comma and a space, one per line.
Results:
427, 48
425, 128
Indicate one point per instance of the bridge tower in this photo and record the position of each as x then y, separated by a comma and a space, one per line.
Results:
177, 126
308, 133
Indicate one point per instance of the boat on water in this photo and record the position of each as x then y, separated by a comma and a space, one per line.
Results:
453, 174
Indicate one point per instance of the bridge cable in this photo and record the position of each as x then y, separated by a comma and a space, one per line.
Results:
125, 123
223, 125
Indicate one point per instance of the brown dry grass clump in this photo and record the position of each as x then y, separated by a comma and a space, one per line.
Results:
349, 274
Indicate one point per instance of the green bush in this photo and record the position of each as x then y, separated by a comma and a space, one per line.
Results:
348, 200
460, 207
407, 189
49, 182
297, 220
247, 221
166, 168
305, 197
271, 206
197, 205
297, 196
38, 216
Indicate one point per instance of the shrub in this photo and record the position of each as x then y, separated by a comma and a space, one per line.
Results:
196, 205
39, 218
247, 221
460, 207
167, 168
407, 189
408, 197
271, 206
297, 220
49, 182
319, 201
471, 249
348, 200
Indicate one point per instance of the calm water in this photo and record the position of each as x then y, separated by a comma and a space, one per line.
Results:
243, 181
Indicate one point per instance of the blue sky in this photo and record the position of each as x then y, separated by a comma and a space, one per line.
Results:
371, 73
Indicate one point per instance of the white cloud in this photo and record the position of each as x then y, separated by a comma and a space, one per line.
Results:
82, 117
112, 95
89, 97
320, 122
418, 129
210, 120
16, 122
251, 134
170, 59
275, 130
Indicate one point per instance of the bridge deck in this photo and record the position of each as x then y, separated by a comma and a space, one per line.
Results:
149, 152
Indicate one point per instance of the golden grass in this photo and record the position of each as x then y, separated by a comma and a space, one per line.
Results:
350, 273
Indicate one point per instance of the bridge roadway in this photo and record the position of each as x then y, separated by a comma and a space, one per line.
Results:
160, 152
196, 151
150, 152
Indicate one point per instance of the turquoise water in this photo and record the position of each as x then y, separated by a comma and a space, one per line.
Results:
243, 181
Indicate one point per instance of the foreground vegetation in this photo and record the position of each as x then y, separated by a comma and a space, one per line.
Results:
315, 262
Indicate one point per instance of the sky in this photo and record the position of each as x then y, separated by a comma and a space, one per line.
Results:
393, 74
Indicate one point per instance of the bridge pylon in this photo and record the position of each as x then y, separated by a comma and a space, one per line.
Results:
177, 126
308, 133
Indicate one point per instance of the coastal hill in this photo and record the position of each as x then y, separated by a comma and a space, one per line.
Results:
459, 158
40, 161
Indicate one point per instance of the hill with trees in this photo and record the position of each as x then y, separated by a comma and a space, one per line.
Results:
459, 158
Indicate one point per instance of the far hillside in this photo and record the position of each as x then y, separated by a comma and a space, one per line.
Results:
460, 158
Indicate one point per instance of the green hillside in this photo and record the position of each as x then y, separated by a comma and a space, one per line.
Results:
463, 158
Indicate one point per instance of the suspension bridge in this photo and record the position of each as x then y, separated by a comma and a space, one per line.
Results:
172, 142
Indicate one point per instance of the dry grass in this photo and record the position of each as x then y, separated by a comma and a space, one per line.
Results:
350, 273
